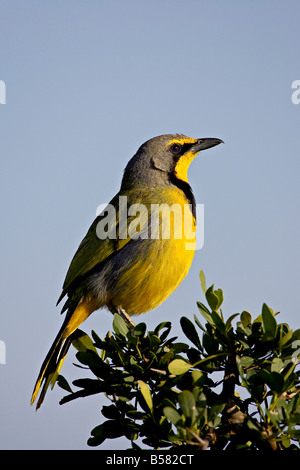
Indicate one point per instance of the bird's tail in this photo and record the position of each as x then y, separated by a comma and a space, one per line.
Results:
57, 353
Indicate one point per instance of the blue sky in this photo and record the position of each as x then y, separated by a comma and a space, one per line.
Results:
86, 83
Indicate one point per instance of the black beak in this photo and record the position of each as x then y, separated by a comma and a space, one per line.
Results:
206, 143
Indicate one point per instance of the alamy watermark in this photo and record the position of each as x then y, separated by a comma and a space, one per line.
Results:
296, 94
2, 343
2, 352
156, 221
296, 353
2, 92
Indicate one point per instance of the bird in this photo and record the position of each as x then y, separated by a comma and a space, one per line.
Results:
130, 261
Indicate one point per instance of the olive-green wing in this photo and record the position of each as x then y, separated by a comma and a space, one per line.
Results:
112, 225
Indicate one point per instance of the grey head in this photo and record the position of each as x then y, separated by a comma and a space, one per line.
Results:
156, 160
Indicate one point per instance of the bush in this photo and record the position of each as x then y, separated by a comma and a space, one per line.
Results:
236, 387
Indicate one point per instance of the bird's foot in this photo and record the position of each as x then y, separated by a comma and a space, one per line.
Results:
123, 314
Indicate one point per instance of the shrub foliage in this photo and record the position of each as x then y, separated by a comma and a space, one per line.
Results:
234, 384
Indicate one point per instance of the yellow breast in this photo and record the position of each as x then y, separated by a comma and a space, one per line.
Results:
161, 261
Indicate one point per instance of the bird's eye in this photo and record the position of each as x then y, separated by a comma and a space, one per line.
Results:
175, 149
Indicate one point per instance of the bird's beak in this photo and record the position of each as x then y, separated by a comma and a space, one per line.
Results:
206, 143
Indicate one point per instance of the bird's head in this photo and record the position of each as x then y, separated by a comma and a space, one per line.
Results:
162, 156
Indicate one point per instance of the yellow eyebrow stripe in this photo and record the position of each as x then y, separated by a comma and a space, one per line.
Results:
182, 140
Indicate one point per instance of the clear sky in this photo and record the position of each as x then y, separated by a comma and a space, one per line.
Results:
86, 83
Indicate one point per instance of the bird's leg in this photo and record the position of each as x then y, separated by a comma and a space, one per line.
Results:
123, 314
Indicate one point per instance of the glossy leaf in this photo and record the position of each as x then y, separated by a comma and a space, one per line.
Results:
187, 404
190, 331
269, 323
203, 282
145, 390
179, 367
172, 415
140, 329
63, 383
245, 319
214, 298
164, 393
120, 325
82, 341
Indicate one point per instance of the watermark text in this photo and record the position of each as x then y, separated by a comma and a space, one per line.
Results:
154, 221
2, 352
2, 92
296, 94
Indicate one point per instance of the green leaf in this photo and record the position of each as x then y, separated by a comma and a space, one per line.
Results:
240, 367
187, 404
190, 331
139, 329
246, 361
212, 298
253, 425
219, 356
82, 341
120, 325
276, 365
198, 378
245, 319
200, 398
269, 323
205, 313
178, 367
162, 325
202, 307
285, 335
180, 347
108, 430
145, 390
296, 334
110, 412
153, 339
202, 281
274, 380
213, 318
218, 322
220, 295
199, 324
128, 378
172, 415
63, 383
229, 321
169, 402
213, 417
210, 344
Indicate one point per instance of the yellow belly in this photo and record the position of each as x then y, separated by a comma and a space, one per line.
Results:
158, 266
150, 281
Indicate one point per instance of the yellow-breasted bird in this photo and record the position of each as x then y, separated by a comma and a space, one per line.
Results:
131, 274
